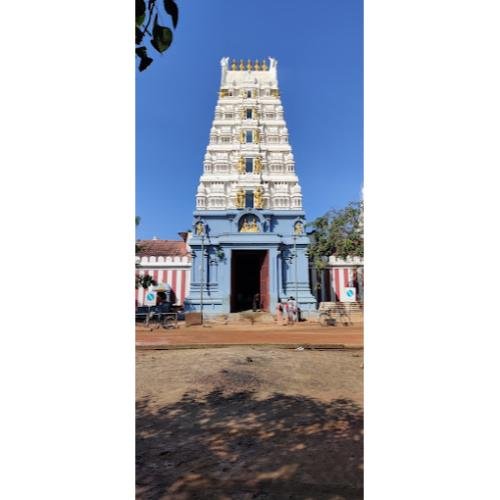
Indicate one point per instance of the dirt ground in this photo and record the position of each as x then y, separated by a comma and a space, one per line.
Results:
249, 423
306, 333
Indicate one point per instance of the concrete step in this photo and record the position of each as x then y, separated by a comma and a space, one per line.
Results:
240, 317
341, 312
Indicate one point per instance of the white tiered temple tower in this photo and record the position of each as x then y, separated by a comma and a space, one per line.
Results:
248, 233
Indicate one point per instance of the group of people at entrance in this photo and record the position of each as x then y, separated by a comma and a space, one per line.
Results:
287, 312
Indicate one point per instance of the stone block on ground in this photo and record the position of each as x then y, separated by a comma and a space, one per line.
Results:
193, 318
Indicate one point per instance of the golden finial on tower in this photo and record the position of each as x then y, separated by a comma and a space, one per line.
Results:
249, 65
257, 68
264, 65
242, 65
233, 66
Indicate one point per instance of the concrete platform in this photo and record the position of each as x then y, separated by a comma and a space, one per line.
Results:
304, 334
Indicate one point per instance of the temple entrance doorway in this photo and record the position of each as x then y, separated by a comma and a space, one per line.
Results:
249, 277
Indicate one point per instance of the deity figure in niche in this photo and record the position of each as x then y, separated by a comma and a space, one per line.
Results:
240, 199
257, 166
258, 201
241, 165
299, 228
199, 228
249, 225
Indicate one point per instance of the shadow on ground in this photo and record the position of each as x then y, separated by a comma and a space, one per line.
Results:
236, 446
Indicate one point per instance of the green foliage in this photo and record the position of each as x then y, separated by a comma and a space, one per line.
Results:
339, 233
172, 10
145, 60
145, 281
160, 36
219, 252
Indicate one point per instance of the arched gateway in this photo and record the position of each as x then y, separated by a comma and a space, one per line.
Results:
248, 238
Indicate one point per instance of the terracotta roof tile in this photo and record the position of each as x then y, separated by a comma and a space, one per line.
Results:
165, 248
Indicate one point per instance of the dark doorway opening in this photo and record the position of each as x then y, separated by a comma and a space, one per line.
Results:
249, 277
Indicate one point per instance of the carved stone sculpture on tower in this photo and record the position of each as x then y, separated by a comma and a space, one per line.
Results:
258, 201
241, 165
240, 199
249, 225
199, 228
299, 228
257, 168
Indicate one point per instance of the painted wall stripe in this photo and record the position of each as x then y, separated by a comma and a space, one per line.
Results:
178, 286
183, 287
188, 282
173, 282
161, 274
346, 279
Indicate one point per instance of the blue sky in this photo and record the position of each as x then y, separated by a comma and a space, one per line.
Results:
319, 48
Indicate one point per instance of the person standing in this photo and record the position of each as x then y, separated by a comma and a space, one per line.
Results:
256, 302
291, 310
279, 312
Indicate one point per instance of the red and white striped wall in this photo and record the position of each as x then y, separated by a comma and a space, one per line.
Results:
346, 273
174, 271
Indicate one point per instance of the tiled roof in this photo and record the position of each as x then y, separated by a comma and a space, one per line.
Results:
165, 248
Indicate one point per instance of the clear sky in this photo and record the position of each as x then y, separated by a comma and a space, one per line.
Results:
319, 48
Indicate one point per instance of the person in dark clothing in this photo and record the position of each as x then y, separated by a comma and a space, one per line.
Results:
256, 302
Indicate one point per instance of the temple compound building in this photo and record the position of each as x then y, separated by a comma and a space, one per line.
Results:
168, 262
248, 239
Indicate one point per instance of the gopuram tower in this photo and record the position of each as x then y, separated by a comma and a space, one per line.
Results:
248, 230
